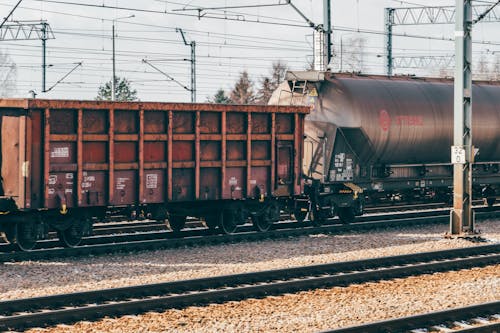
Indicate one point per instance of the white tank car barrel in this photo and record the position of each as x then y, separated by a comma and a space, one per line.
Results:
391, 136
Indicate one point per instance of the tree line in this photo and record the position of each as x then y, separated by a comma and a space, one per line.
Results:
245, 91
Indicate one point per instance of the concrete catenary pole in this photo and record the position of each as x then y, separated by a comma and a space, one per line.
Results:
462, 152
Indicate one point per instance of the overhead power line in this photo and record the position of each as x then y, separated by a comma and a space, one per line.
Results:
65, 76
10, 13
168, 76
240, 17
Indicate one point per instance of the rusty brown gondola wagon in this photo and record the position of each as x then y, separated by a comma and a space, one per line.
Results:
68, 163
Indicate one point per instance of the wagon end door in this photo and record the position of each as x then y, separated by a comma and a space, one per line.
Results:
14, 166
284, 169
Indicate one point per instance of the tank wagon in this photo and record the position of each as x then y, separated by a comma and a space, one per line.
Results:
66, 164
389, 137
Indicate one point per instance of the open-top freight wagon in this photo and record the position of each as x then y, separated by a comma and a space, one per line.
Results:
66, 164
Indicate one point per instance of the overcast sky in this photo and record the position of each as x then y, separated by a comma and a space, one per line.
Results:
226, 45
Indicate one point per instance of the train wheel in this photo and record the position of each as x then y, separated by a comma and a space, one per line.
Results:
212, 221
228, 222
271, 214
346, 215
26, 235
231, 218
72, 236
260, 224
177, 222
490, 201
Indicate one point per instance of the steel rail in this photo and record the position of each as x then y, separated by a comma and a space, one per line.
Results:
199, 237
105, 234
427, 320
68, 308
113, 232
130, 231
165, 240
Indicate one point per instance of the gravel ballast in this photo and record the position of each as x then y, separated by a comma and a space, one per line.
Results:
319, 309
47, 277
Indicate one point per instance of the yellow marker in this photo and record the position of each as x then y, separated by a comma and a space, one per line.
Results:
261, 199
4, 213
64, 210
354, 187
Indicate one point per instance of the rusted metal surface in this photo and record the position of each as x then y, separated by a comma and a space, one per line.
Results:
12, 157
146, 106
92, 153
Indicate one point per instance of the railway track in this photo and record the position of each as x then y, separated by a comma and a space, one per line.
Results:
476, 318
135, 242
68, 308
117, 231
142, 226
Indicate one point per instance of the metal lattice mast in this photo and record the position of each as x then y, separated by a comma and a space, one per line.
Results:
430, 15
442, 15
462, 219
26, 31
44, 56
389, 22
30, 31
193, 71
422, 61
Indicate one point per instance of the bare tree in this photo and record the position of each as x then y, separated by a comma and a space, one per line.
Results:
8, 75
242, 92
496, 68
265, 91
352, 56
482, 69
270, 84
444, 72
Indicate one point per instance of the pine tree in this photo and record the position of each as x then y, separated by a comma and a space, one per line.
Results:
220, 97
242, 92
123, 91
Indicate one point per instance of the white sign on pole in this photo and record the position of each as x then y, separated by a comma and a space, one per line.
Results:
458, 155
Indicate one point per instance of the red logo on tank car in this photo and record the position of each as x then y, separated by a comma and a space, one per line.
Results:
384, 120
410, 120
